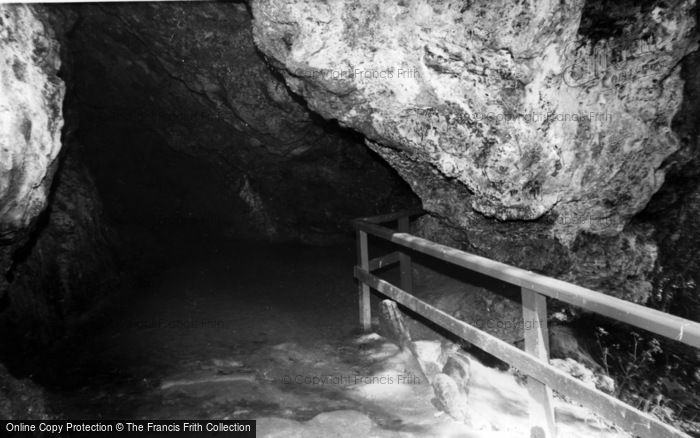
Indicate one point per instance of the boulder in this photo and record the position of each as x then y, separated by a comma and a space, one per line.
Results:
31, 119
531, 132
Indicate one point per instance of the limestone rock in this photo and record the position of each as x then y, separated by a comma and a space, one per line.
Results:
450, 397
586, 375
605, 383
31, 98
451, 387
482, 107
448, 371
55, 285
532, 133
563, 344
490, 306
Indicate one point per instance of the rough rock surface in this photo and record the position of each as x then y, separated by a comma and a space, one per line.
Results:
31, 120
66, 268
533, 132
586, 375
53, 250
675, 209
191, 74
31, 96
489, 305
21, 399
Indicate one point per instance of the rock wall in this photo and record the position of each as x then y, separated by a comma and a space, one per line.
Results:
54, 254
675, 209
67, 267
188, 75
191, 74
31, 97
536, 131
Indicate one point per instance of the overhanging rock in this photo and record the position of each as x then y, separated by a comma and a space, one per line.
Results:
522, 123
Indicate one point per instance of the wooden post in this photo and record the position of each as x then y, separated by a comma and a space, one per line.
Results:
405, 259
364, 297
542, 424
636, 422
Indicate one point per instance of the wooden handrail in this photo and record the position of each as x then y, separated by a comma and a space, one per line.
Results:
631, 419
661, 323
389, 217
534, 361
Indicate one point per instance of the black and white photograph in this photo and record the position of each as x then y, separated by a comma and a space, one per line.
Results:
350, 218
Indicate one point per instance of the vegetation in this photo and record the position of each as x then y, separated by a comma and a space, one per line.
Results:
651, 373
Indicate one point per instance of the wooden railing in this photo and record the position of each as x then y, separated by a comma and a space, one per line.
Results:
536, 288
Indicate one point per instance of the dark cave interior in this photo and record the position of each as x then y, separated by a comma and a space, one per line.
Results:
162, 170
198, 236
183, 223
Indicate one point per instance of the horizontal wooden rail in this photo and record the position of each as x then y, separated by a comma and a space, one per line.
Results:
664, 324
389, 217
384, 261
614, 410
535, 288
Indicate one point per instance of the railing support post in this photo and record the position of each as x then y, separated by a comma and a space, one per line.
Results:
363, 289
405, 259
542, 424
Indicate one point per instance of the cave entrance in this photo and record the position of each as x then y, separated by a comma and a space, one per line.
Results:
198, 229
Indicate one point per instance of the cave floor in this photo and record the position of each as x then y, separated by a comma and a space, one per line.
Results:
251, 331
